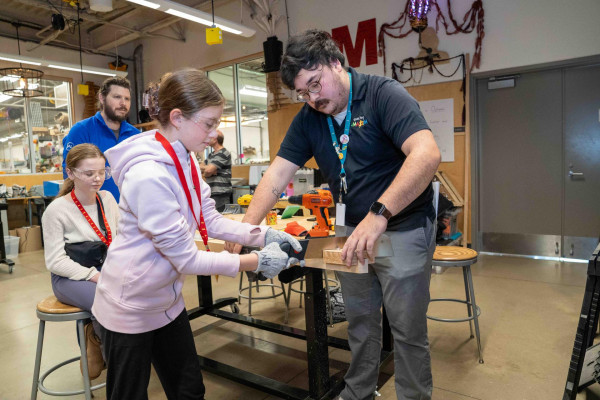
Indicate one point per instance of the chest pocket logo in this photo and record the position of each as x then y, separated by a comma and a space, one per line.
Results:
359, 122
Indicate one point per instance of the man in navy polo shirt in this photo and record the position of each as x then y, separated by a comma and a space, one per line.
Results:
108, 127
373, 146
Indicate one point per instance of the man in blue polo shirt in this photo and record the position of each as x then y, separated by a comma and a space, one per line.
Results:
108, 127
375, 150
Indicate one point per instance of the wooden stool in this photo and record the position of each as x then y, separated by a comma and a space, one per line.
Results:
50, 309
454, 256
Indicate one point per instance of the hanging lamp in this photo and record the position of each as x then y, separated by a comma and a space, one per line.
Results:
82, 88
20, 82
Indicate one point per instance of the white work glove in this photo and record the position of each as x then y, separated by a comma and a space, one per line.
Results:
280, 237
272, 260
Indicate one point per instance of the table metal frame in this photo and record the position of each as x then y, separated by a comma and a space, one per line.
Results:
321, 385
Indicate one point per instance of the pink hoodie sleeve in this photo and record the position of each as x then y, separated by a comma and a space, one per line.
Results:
219, 227
151, 198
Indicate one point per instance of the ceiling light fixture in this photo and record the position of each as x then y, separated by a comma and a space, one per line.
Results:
256, 91
195, 15
61, 65
28, 82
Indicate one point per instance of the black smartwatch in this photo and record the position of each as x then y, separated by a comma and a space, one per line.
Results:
378, 208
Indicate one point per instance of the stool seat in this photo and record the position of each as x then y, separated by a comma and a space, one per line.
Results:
453, 253
51, 305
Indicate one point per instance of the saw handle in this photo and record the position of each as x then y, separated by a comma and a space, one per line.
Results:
285, 247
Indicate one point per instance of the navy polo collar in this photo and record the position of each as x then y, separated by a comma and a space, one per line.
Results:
359, 85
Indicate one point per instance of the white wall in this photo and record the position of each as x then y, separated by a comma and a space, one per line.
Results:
517, 32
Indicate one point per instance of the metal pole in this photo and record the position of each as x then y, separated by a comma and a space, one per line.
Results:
30, 135
238, 111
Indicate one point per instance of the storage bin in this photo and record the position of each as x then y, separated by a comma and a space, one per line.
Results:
51, 188
11, 245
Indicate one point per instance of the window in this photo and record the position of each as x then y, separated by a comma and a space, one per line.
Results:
250, 136
48, 122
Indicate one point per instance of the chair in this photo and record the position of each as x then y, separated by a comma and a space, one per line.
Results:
253, 281
52, 310
455, 256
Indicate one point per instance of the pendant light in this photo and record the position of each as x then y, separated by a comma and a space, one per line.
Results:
20, 82
82, 88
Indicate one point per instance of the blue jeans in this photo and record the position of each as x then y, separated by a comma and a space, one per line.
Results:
401, 283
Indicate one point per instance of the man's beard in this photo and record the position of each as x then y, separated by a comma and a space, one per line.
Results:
111, 115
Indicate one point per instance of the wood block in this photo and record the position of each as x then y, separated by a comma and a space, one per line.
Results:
333, 261
334, 256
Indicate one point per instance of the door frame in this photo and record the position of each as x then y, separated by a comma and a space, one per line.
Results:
475, 150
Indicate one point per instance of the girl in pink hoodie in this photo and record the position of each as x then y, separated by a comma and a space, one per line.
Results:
163, 202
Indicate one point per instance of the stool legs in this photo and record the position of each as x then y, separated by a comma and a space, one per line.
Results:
84, 360
38, 384
474, 308
468, 297
38, 360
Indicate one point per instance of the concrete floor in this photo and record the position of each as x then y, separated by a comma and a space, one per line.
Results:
528, 322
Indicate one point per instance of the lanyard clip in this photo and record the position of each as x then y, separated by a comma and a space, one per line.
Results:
343, 186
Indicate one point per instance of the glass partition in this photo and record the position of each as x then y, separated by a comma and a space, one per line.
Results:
50, 120
244, 121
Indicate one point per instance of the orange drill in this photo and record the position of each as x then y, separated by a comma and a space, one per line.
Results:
317, 201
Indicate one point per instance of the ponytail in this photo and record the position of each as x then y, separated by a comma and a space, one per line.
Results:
67, 186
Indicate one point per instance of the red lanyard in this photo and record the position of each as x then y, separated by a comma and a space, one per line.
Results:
106, 240
201, 225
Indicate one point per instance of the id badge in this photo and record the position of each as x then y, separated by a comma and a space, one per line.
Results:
340, 214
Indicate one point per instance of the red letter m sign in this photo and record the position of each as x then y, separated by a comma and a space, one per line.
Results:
366, 35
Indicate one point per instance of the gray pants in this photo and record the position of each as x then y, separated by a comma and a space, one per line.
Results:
221, 200
76, 293
402, 284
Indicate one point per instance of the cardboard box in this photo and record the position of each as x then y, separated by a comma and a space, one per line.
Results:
30, 238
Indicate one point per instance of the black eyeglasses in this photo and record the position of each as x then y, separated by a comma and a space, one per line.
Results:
313, 87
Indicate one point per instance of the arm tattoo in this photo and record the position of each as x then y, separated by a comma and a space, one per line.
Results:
275, 192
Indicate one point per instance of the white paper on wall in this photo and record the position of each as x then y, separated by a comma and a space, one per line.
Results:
439, 115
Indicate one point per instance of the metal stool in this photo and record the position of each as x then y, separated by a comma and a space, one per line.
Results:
454, 256
50, 309
302, 292
253, 279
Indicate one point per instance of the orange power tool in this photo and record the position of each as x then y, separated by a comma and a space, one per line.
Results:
318, 202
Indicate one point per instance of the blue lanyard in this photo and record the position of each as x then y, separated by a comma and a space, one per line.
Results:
341, 152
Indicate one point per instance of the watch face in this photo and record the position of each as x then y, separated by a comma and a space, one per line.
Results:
377, 208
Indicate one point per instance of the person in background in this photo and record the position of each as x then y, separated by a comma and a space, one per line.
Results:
108, 127
81, 221
163, 203
371, 142
217, 172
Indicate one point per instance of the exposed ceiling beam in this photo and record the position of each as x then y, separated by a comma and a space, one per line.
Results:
166, 22
84, 15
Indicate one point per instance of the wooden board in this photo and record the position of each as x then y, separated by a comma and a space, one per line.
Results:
29, 180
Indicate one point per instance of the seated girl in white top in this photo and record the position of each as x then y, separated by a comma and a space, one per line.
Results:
77, 233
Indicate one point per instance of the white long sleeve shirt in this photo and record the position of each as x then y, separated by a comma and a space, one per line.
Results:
64, 223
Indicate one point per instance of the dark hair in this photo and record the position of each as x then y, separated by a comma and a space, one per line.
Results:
188, 90
220, 137
112, 81
307, 50
76, 154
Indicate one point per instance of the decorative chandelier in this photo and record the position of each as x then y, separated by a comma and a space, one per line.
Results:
417, 14
20, 82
